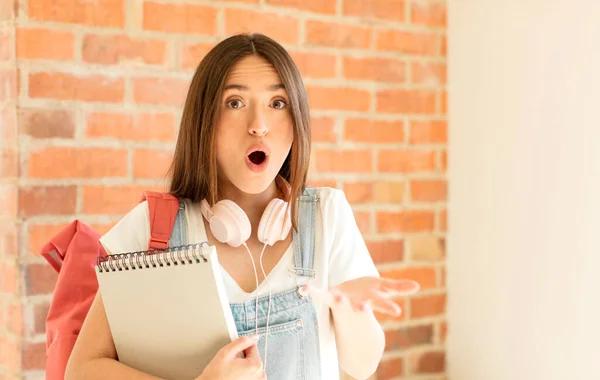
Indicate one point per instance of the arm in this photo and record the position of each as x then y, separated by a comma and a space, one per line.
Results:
360, 340
94, 354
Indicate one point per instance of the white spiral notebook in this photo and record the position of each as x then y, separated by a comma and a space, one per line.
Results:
167, 310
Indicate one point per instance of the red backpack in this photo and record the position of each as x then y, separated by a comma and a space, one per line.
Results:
73, 253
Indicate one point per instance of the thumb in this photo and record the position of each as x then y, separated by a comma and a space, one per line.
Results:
239, 345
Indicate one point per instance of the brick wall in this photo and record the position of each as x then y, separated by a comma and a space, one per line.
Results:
100, 89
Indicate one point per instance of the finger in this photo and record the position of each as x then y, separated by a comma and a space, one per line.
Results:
404, 286
234, 348
385, 306
252, 353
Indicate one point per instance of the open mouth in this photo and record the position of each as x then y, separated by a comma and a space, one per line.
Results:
257, 157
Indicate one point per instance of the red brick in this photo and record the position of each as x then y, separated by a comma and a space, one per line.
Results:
433, 74
9, 239
363, 221
428, 190
358, 192
442, 220
388, 192
429, 132
151, 163
443, 331
375, 69
191, 55
373, 131
315, 65
45, 44
47, 200
406, 101
8, 85
425, 276
381, 9
415, 43
426, 248
432, 14
337, 34
379, 192
9, 162
103, 228
113, 200
321, 183
47, 123
406, 221
6, 10
285, 29
317, 6
242, 1
10, 354
336, 98
8, 200
40, 312
428, 362
110, 13
122, 48
67, 162
406, 161
386, 251
427, 306
40, 234
444, 45
344, 161
6, 51
166, 91
180, 18
9, 279
40, 279
390, 368
407, 337
443, 277
14, 311
444, 102
8, 127
443, 160
34, 356
142, 127
323, 129
88, 88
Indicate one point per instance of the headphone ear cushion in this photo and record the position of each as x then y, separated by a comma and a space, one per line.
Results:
273, 222
229, 224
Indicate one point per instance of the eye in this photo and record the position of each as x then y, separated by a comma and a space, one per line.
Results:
279, 104
235, 103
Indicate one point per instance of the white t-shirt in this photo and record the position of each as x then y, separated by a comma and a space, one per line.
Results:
340, 255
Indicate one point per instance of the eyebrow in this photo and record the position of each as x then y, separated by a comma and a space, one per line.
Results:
241, 87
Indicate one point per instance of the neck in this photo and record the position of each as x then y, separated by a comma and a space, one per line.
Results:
252, 204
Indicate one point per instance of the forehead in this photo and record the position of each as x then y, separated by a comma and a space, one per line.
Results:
253, 71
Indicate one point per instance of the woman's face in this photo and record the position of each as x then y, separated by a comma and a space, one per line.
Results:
254, 128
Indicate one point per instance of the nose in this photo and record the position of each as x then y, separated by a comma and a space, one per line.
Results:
257, 125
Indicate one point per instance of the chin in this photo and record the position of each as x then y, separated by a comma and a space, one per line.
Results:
254, 184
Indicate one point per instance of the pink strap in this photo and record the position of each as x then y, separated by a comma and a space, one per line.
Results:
162, 208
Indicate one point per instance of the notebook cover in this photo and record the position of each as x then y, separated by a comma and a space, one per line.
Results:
167, 321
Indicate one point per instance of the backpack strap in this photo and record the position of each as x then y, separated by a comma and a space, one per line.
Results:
162, 209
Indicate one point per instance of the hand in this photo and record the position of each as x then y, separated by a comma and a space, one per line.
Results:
228, 365
366, 293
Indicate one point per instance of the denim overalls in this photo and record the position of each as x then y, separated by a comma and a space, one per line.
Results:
293, 337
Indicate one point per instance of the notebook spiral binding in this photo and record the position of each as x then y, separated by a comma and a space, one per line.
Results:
180, 255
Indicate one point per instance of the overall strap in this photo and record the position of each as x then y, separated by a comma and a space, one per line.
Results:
304, 239
162, 210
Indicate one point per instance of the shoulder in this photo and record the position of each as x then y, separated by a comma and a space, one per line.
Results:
130, 233
331, 199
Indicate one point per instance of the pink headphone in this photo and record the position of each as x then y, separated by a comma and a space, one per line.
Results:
230, 224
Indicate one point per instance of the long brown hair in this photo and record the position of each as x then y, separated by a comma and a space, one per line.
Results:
194, 168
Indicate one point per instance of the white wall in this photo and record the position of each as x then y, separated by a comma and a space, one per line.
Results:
524, 172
